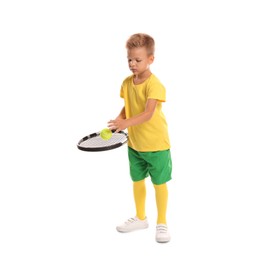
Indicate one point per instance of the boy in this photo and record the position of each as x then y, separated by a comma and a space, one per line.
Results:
148, 144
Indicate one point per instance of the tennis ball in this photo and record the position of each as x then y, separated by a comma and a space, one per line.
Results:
105, 134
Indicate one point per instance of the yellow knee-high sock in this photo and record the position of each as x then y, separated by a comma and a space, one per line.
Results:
139, 191
161, 193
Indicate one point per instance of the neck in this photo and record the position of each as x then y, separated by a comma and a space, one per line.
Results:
142, 76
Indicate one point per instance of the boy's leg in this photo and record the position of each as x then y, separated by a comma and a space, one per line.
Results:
138, 172
139, 192
161, 193
162, 233
140, 220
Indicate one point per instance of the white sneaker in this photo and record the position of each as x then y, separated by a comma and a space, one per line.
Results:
132, 224
162, 233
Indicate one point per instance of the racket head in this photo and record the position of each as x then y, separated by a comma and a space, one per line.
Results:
94, 143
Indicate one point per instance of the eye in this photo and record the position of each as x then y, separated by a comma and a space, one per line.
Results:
138, 60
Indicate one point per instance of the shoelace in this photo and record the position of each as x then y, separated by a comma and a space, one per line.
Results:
130, 220
161, 229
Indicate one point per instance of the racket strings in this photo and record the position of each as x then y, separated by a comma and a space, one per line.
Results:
97, 142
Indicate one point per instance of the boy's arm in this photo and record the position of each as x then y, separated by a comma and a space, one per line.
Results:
121, 123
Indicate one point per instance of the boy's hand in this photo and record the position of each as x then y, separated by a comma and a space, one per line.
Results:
117, 124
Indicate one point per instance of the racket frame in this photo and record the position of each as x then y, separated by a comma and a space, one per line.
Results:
103, 148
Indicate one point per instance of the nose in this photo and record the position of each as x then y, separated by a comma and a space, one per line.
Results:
131, 63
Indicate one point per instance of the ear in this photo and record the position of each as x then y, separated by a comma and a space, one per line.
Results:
151, 59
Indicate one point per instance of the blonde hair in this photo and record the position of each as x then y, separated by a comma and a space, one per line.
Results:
141, 40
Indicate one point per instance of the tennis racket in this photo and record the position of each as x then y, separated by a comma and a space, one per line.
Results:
94, 143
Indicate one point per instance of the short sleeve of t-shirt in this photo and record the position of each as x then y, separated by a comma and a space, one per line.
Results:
121, 92
155, 90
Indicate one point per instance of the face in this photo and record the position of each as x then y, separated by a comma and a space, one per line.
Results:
138, 60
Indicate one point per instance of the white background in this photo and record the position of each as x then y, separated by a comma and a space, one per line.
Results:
62, 64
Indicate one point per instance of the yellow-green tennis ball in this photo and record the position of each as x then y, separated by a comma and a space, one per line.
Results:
106, 134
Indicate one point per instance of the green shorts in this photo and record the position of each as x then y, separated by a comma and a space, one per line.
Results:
156, 164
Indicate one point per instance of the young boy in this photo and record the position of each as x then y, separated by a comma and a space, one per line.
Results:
148, 144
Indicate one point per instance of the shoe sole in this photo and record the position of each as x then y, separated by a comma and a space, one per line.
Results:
162, 241
127, 231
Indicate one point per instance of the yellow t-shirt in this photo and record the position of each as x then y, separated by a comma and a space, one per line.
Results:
151, 135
